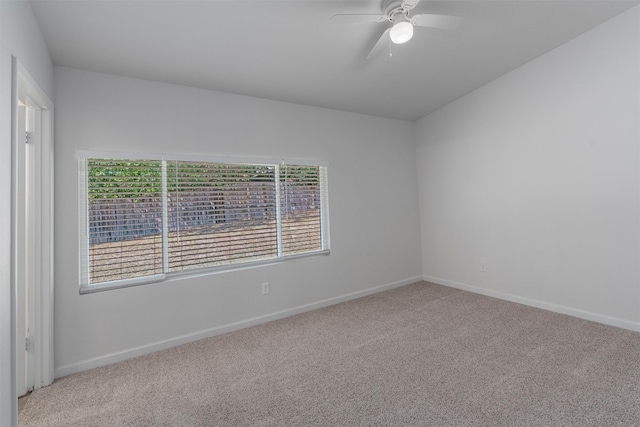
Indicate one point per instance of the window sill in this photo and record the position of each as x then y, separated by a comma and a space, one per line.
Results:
180, 275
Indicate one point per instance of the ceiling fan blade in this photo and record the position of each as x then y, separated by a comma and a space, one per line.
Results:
382, 42
444, 22
356, 18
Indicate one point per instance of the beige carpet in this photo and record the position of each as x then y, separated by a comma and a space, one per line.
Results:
420, 355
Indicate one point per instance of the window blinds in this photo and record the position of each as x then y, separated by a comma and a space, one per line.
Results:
300, 207
123, 211
143, 219
220, 214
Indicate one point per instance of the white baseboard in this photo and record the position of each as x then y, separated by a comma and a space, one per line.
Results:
582, 314
108, 359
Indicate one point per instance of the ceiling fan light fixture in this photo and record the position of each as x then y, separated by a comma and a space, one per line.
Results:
401, 32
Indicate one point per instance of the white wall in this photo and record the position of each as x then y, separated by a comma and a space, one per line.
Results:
19, 37
537, 174
372, 197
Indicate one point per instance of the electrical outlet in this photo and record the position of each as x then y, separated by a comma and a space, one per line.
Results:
265, 288
483, 266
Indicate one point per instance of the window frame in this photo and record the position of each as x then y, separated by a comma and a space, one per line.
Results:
84, 223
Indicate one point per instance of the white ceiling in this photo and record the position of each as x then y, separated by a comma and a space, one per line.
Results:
290, 51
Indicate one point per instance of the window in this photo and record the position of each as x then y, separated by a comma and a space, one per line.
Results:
142, 219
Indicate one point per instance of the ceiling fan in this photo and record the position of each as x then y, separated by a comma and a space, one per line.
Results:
401, 30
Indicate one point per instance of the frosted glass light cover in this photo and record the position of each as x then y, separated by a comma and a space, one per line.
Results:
401, 32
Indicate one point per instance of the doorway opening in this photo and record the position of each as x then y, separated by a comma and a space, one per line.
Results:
32, 235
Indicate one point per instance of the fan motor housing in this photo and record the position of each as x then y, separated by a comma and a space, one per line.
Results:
395, 11
389, 6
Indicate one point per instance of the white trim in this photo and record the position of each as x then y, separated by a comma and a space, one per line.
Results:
278, 192
304, 162
29, 87
44, 187
556, 308
119, 356
179, 275
165, 219
266, 161
238, 266
19, 246
324, 208
117, 155
83, 224
22, 83
124, 283
44, 318
10, 417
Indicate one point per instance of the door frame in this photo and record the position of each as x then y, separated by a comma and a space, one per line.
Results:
21, 227
41, 251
